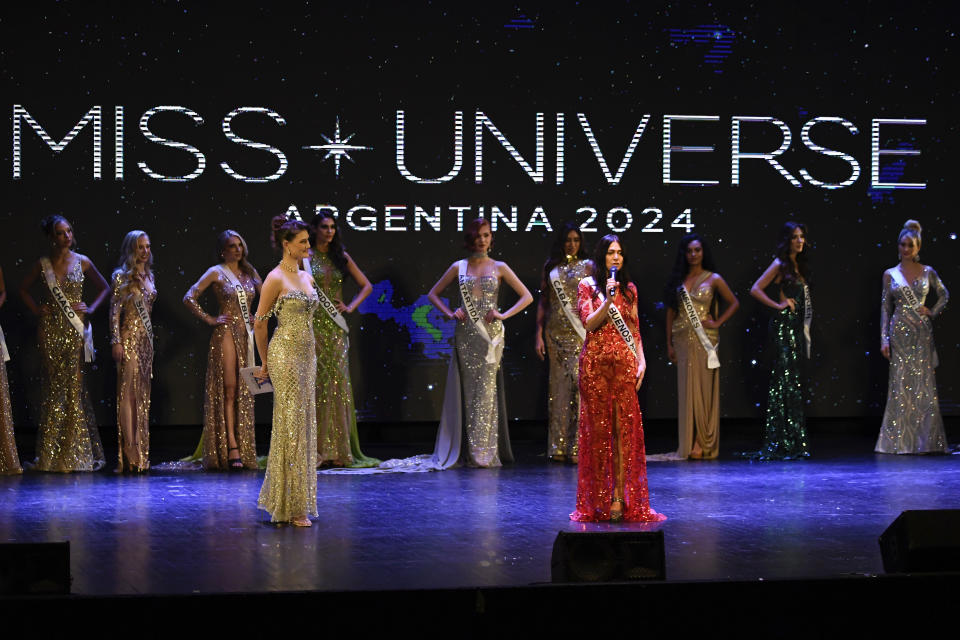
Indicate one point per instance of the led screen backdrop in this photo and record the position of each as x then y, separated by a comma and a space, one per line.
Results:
408, 121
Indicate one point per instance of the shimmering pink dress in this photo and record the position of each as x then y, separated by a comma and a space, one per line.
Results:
611, 445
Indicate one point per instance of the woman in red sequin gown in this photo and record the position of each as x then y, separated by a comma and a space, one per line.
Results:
612, 474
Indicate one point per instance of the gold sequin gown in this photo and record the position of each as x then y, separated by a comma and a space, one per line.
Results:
67, 436
289, 488
698, 388
911, 421
135, 369
337, 438
214, 444
9, 460
563, 351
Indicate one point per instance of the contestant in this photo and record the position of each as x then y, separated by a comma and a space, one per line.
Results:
563, 341
228, 440
911, 421
9, 460
692, 339
785, 432
475, 381
131, 334
289, 491
338, 444
612, 474
67, 436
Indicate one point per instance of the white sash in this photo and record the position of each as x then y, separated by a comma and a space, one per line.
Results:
327, 304
86, 332
807, 316
141, 308
244, 308
475, 316
4, 354
907, 291
618, 322
566, 304
713, 361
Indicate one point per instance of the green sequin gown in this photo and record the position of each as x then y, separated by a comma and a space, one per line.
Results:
785, 431
338, 443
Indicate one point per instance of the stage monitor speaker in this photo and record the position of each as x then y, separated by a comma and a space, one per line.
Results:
41, 568
608, 556
922, 541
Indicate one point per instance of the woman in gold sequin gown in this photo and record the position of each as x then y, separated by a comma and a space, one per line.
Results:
612, 473
911, 420
338, 443
473, 427
557, 339
67, 436
698, 387
132, 346
228, 440
9, 460
289, 491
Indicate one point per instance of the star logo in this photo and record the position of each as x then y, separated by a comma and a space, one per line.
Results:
337, 148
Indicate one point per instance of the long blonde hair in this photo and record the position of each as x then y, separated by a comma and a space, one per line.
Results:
127, 266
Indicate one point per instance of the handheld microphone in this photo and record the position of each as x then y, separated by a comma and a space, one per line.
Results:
613, 276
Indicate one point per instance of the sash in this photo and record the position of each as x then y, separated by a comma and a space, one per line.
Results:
244, 308
616, 318
912, 302
475, 317
86, 332
326, 303
566, 304
141, 308
807, 316
713, 361
4, 354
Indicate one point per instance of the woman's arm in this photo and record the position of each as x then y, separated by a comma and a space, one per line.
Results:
543, 310
757, 290
592, 318
99, 283
116, 307
671, 315
943, 296
434, 295
365, 287
191, 298
268, 296
886, 310
642, 359
720, 286
519, 288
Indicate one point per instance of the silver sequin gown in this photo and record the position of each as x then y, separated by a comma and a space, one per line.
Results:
911, 420
289, 488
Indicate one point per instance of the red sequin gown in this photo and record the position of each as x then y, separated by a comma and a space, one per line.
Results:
611, 445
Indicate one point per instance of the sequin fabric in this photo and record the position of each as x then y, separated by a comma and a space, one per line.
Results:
911, 420
67, 436
785, 431
338, 443
134, 371
563, 353
214, 442
9, 460
611, 442
289, 488
479, 379
698, 388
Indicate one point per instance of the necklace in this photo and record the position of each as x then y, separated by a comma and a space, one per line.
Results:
478, 254
288, 269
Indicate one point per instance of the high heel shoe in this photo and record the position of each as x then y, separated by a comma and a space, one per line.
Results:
618, 515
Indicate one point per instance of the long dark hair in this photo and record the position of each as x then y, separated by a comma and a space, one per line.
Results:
557, 254
788, 272
600, 267
681, 267
336, 251
49, 227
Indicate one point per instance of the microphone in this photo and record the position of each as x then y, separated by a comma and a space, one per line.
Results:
613, 276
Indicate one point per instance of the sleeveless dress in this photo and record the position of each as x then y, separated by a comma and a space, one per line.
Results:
67, 436
612, 453
337, 438
911, 421
290, 485
563, 352
135, 370
785, 430
214, 444
9, 460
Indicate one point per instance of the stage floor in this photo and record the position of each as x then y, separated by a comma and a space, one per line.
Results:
166, 533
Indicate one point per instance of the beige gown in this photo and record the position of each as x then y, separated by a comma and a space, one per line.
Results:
9, 460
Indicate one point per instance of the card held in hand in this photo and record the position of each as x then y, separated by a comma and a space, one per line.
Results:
255, 386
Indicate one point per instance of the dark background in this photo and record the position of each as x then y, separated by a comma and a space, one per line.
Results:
362, 62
